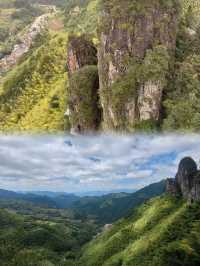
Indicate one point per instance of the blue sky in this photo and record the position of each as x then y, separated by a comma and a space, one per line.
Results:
79, 164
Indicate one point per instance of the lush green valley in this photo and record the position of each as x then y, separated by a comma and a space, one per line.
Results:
101, 209
109, 208
163, 231
156, 226
51, 230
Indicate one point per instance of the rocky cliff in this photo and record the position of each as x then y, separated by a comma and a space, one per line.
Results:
84, 111
137, 41
187, 181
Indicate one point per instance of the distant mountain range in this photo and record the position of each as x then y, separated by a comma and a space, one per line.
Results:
103, 208
99, 193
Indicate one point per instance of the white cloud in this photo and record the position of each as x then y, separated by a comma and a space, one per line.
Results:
66, 163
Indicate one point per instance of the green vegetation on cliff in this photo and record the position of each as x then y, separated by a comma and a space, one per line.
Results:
182, 109
81, 16
163, 232
83, 86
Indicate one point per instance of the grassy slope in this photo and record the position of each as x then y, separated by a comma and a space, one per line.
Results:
165, 231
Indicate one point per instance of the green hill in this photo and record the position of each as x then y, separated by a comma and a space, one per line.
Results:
111, 207
163, 232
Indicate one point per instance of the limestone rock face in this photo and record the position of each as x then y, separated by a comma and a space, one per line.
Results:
84, 112
125, 37
187, 181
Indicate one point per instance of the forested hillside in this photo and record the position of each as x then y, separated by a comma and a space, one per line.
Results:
163, 232
50, 238
34, 92
14, 17
181, 97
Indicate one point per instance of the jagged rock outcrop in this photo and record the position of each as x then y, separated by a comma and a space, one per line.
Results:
187, 181
84, 111
137, 42
24, 44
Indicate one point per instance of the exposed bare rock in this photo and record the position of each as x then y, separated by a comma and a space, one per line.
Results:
107, 227
149, 100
